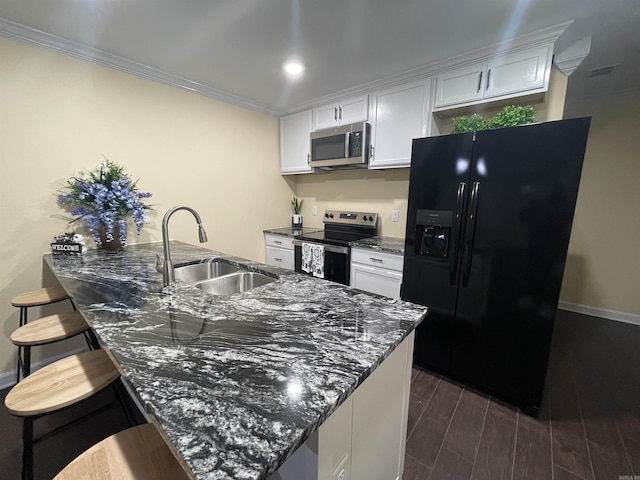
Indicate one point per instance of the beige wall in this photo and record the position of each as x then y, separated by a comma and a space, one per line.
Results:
602, 269
59, 114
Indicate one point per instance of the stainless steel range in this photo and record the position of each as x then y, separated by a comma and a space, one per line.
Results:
327, 254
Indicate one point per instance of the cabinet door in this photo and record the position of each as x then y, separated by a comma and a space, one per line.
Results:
280, 257
376, 280
325, 117
460, 86
400, 114
518, 72
295, 143
380, 410
353, 110
334, 444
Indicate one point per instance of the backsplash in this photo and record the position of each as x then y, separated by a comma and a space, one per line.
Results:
379, 191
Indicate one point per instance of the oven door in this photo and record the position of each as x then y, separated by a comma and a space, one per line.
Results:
337, 261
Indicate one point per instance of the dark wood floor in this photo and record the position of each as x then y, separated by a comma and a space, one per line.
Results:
589, 426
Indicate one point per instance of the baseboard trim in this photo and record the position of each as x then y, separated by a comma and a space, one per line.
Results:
8, 379
601, 312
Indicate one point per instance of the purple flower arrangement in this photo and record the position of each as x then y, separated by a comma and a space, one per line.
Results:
105, 196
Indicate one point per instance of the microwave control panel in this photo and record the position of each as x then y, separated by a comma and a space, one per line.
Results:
355, 144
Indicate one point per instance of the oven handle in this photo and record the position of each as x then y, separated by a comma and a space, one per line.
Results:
327, 248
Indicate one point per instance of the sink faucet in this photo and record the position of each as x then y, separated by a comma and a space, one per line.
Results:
167, 267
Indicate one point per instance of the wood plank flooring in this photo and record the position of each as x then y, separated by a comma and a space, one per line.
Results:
589, 426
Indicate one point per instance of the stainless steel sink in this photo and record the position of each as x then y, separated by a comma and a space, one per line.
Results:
198, 272
234, 283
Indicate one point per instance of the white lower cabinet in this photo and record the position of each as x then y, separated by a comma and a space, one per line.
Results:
279, 251
365, 437
376, 272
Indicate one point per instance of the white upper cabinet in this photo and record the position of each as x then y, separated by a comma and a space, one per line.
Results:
523, 72
461, 85
295, 143
347, 111
398, 115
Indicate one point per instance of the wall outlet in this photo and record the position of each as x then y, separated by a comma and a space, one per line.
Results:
395, 216
314, 210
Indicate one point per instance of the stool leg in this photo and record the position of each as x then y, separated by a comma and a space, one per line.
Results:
92, 338
26, 362
73, 304
27, 449
19, 364
23, 316
121, 394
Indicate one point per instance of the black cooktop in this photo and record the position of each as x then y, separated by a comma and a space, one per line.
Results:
335, 238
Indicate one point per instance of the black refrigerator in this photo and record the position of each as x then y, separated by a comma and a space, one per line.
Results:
488, 225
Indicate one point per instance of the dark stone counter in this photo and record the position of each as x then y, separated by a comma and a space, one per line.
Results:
382, 244
292, 232
218, 372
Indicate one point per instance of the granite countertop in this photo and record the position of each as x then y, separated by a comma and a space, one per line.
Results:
218, 372
292, 232
383, 244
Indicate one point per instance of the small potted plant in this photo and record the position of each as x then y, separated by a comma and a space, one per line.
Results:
296, 218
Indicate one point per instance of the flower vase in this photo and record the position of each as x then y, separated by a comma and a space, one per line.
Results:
111, 245
296, 221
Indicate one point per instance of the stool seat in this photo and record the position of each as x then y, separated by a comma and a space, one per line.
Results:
62, 383
42, 296
50, 329
138, 453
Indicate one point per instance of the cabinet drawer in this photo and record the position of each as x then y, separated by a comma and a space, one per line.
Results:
375, 258
280, 257
279, 241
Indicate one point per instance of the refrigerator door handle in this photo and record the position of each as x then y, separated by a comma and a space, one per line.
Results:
455, 237
470, 233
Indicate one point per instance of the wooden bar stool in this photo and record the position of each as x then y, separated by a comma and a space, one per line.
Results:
55, 387
38, 298
138, 453
48, 330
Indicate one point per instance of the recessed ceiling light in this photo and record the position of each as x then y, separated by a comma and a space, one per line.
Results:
293, 68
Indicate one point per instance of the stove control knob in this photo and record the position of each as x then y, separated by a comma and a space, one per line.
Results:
331, 215
370, 218
326, 215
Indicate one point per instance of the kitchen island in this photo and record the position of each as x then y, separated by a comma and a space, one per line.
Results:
237, 383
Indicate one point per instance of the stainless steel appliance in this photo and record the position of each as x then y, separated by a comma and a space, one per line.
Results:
340, 228
346, 146
488, 225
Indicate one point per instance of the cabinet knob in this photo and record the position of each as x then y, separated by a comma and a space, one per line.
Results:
340, 115
335, 113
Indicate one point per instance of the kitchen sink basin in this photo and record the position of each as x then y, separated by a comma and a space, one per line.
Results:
198, 272
234, 283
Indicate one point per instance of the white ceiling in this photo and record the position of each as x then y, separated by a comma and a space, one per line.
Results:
237, 47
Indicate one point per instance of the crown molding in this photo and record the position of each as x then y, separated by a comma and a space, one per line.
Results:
572, 57
32, 36
539, 37
36, 37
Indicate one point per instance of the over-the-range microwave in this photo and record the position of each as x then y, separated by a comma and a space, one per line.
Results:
346, 146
